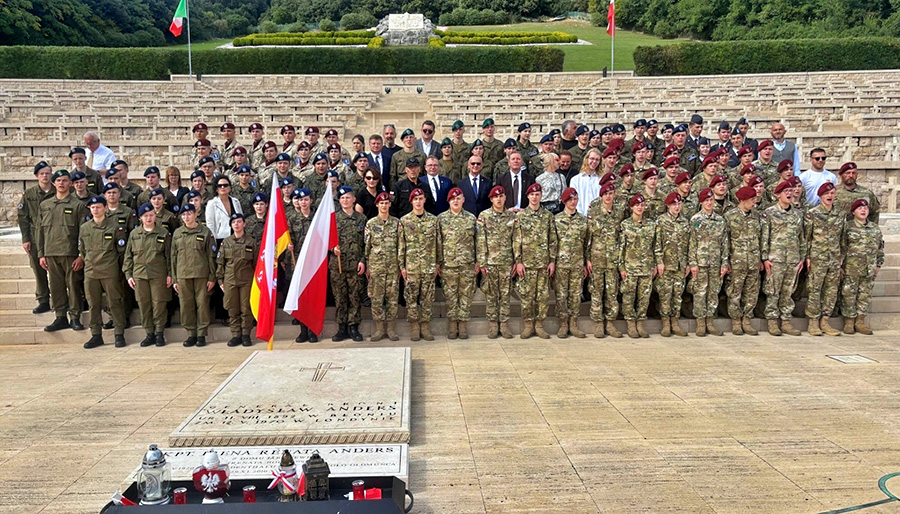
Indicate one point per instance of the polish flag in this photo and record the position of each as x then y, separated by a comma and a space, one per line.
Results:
306, 296
178, 20
611, 19
276, 239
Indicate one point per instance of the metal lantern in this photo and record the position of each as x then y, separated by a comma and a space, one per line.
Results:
155, 478
316, 472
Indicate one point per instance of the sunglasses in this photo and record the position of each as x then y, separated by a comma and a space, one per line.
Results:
475, 163
222, 186
370, 178
427, 131
819, 158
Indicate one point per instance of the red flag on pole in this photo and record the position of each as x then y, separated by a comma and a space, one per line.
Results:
262, 293
305, 299
611, 19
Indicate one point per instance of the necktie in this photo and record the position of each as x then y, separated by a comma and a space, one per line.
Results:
516, 190
91, 160
434, 188
378, 162
475, 186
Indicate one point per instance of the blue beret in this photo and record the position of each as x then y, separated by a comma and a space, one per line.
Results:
547, 139
509, 143
680, 128
151, 171
344, 190
618, 128
320, 157
244, 169
206, 160
582, 129
110, 172
668, 126
39, 166
332, 174
282, 157
156, 192
703, 141
118, 163
652, 123
524, 126
188, 207
109, 186
236, 216
193, 193
640, 123
77, 150
605, 130
286, 181
145, 208
295, 194
78, 175
96, 199
359, 156
198, 174
302, 192
260, 197
555, 132
593, 133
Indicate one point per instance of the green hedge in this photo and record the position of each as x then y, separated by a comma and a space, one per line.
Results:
768, 56
356, 37
49, 62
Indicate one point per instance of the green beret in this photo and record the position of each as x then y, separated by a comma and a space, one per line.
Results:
407, 132
59, 173
446, 142
487, 122
458, 124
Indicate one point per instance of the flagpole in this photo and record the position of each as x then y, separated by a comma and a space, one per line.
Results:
612, 52
187, 15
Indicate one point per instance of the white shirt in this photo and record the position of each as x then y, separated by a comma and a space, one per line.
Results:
811, 182
434, 184
103, 158
426, 148
588, 188
512, 192
379, 162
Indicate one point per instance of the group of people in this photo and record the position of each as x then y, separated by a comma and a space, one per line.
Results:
587, 213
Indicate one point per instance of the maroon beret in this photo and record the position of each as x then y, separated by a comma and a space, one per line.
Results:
682, 177
256, 126
610, 150
269, 144
199, 126
781, 187
628, 168
334, 146
568, 193
312, 130
615, 144
755, 179
607, 187
454, 193
640, 145
785, 165
718, 179
652, 172
240, 150
286, 128
670, 161
669, 149
331, 132
638, 198
534, 188
746, 149
384, 197
748, 169
859, 203
704, 195
674, 198
202, 142
824, 188
745, 193
795, 181
226, 125
304, 145
496, 191
416, 192
710, 159
607, 177
764, 144
847, 166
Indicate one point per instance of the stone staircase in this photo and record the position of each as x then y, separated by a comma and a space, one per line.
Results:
403, 107
19, 326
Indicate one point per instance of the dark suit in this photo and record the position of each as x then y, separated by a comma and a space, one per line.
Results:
434, 151
525, 181
385, 166
444, 187
472, 204
690, 141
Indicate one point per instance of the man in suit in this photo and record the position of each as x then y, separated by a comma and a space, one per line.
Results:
695, 132
379, 159
475, 187
426, 144
435, 186
517, 181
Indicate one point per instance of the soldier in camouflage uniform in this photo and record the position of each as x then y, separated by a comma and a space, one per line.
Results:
255, 150
419, 253
226, 152
684, 188
523, 143
627, 186
708, 260
722, 203
710, 169
745, 256
824, 226
863, 248
29, 223
765, 166
461, 149
638, 264
493, 148
656, 201
244, 190
266, 167
382, 268
673, 233
571, 263
401, 156
849, 191
604, 223
345, 282
494, 254
688, 156
458, 269
299, 219
784, 250
256, 222
667, 181
535, 250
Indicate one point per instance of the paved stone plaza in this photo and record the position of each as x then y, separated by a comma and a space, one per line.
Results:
693, 425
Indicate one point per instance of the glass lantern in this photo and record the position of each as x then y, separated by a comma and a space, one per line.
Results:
155, 478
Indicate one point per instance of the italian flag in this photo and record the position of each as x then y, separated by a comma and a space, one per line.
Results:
178, 20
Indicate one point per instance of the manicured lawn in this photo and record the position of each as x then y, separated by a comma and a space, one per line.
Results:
206, 45
587, 57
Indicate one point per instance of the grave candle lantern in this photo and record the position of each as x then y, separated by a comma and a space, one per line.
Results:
316, 472
155, 478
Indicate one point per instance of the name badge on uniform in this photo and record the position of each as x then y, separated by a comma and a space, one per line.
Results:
67, 211
165, 224
107, 236
248, 248
201, 238
91, 184
122, 219
160, 239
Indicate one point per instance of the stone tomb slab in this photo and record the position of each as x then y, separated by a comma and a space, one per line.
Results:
257, 462
302, 397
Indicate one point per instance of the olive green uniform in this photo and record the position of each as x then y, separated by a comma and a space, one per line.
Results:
235, 268
147, 261
398, 164
102, 246
345, 283
29, 225
458, 266
193, 266
57, 241
170, 201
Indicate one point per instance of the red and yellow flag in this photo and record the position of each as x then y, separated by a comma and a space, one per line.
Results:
276, 239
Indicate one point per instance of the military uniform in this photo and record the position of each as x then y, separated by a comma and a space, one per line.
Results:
147, 261
493, 150
574, 244
656, 204
745, 256
57, 240
102, 246
226, 157
824, 229
345, 284
673, 234
535, 246
193, 266
494, 251
604, 228
171, 203
381, 237
708, 242
235, 269
167, 220
419, 252
398, 164
29, 224
255, 226
458, 266
783, 245
638, 255
317, 186
863, 248
255, 156
844, 198
768, 171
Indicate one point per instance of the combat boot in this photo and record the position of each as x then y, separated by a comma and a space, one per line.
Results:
563, 331
303, 336
736, 328
463, 329
493, 330
354, 333
676, 328
598, 330
313, 337
528, 329
747, 325
861, 326
632, 329
94, 342
640, 329
789, 329
389, 329
452, 329
246, 341
425, 330
666, 330
379, 331
814, 329
120, 341
611, 329
539, 329
201, 341
826, 327
505, 331
573, 328
161, 339
849, 325
414, 331
58, 324
341, 333
701, 327
189, 342
234, 341
773, 327
711, 327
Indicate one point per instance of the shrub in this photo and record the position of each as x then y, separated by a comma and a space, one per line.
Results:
376, 42
327, 26
768, 56
268, 26
464, 16
360, 20
506, 38
436, 42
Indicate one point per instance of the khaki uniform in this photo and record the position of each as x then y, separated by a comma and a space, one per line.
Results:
235, 268
346, 284
603, 231
673, 234
167, 220
102, 246
638, 255
57, 240
193, 266
458, 267
170, 201
535, 246
784, 245
574, 245
844, 198
226, 157
745, 256
29, 224
381, 238
863, 248
256, 158
95, 180
419, 252
494, 251
707, 251
147, 261
824, 230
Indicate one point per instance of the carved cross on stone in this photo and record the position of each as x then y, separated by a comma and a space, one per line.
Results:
321, 370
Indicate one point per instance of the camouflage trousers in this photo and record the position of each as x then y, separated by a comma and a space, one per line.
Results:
567, 284
604, 288
534, 291
706, 289
384, 288
636, 296
419, 293
670, 287
459, 288
855, 296
779, 287
743, 291
497, 286
346, 288
823, 284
